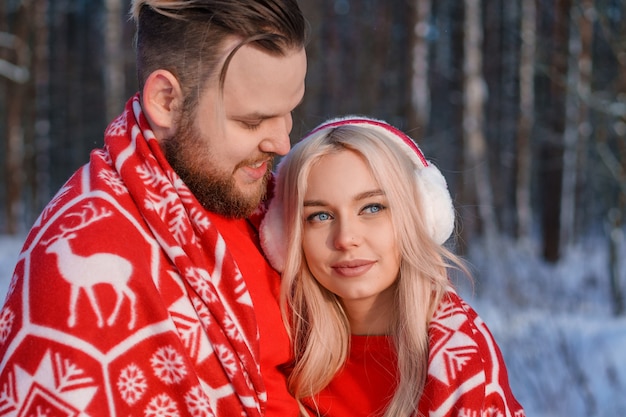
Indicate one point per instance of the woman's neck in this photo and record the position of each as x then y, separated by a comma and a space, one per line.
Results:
371, 316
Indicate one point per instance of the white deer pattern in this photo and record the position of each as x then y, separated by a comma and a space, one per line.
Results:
85, 272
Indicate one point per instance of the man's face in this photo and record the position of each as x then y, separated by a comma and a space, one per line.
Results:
224, 154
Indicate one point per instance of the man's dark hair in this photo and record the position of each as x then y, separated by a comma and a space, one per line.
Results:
187, 38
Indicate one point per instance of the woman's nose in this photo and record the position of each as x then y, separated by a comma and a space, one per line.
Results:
347, 234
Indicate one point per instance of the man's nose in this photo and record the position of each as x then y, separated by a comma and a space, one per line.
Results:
277, 140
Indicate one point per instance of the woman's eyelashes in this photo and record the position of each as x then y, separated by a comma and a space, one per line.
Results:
324, 216
318, 217
373, 208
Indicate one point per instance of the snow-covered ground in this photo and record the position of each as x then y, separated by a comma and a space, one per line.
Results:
565, 351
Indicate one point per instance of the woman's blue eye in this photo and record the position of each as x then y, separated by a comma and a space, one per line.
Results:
318, 217
373, 208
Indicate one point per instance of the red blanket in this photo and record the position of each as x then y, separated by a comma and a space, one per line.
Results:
125, 299
466, 372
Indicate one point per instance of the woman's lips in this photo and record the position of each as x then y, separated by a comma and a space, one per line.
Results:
352, 268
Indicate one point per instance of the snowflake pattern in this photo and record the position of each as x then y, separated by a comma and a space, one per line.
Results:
6, 323
51, 207
156, 179
199, 280
131, 384
164, 200
162, 406
114, 181
199, 219
231, 329
178, 224
203, 312
105, 155
466, 412
168, 365
117, 127
198, 404
182, 190
492, 412
227, 359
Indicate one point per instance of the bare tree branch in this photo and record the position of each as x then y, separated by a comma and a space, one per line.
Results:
19, 72
14, 72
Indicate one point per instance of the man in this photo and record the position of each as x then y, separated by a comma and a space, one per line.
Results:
141, 289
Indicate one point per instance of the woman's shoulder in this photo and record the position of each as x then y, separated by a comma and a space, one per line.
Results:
465, 363
454, 321
452, 308
456, 326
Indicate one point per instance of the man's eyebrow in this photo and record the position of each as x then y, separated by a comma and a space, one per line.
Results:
254, 116
262, 116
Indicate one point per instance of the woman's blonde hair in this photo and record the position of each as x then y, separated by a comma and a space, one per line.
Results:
314, 316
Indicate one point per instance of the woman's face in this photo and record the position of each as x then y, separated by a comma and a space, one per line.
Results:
348, 237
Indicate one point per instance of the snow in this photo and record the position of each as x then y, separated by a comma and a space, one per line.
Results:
565, 351
10, 247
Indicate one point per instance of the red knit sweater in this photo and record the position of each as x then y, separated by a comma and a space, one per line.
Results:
366, 383
263, 282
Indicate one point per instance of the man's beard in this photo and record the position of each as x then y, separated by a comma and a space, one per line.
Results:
217, 191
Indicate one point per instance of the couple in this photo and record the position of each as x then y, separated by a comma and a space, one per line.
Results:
143, 289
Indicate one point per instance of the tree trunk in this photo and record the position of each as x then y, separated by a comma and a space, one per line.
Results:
39, 159
15, 101
473, 116
114, 79
526, 119
552, 149
616, 245
615, 219
420, 91
577, 130
617, 214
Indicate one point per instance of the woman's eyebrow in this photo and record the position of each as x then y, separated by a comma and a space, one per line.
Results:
361, 196
314, 203
369, 194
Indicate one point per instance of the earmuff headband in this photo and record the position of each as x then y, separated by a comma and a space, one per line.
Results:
356, 121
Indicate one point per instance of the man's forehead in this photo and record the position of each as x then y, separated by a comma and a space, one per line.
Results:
262, 85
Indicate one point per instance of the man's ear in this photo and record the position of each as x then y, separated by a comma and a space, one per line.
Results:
162, 101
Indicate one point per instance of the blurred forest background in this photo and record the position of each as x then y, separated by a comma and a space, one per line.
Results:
521, 103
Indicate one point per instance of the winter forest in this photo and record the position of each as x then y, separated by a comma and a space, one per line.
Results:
520, 103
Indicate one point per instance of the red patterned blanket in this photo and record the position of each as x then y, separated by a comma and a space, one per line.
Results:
125, 232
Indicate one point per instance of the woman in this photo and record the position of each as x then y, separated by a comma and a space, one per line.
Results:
357, 226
